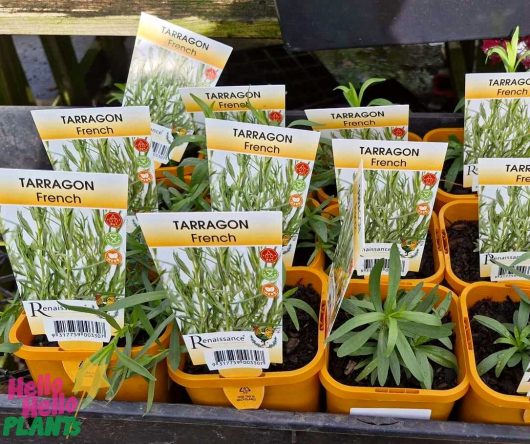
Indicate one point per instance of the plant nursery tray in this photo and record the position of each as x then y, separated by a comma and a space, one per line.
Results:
127, 422
120, 422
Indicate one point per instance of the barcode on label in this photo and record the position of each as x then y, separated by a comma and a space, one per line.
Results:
236, 358
368, 264
502, 273
160, 151
76, 330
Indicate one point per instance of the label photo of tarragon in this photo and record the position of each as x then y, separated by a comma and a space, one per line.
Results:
497, 119
103, 140
166, 58
259, 167
65, 233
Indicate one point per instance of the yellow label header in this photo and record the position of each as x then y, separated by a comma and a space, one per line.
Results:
215, 229
183, 41
362, 117
93, 123
510, 85
235, 98
502, 171
63, 189
262, 140
388, 154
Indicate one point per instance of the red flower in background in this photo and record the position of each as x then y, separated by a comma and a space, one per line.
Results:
429, 179
491, 43
113, 219
210, 74
302, 169
269, 255
276, 116
141, 145
399, 132
524, 45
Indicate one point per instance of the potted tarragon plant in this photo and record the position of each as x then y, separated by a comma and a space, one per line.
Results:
395, 346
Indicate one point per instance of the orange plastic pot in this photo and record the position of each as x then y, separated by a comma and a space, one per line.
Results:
294, 390
483, 404
442, 135
438, 255
341, 398
51, 361
450, 213
322, 196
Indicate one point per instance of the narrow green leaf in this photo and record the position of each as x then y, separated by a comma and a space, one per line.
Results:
357, 321
492, 324
374, 285
488, 363
419, 318
394, 277
408, 356
357, 341
134, 366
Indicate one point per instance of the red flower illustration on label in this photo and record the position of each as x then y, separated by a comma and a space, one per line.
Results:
429, 179
302, 168
145, 176
113, 219
296, 200
113, 257
399, 132
423, 209
270, 290
210, 74
275, 116
141, 145
269, 255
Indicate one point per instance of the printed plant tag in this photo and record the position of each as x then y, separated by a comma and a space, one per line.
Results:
259, 167
65, 233
345, 253
61, 324
367, 123
497, 119
223, 275
232, 103
103, 140
166, 58
398, 187
504, 217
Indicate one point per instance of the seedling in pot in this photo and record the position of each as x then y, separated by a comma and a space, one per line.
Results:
396, 337
514, 338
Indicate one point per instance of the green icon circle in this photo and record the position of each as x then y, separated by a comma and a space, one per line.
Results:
269, 274
143, 161
113, 239
299, 185
426, 195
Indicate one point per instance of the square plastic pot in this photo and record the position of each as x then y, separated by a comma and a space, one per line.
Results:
450, 213
51, 361
341, 398
294, 390
482, 403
